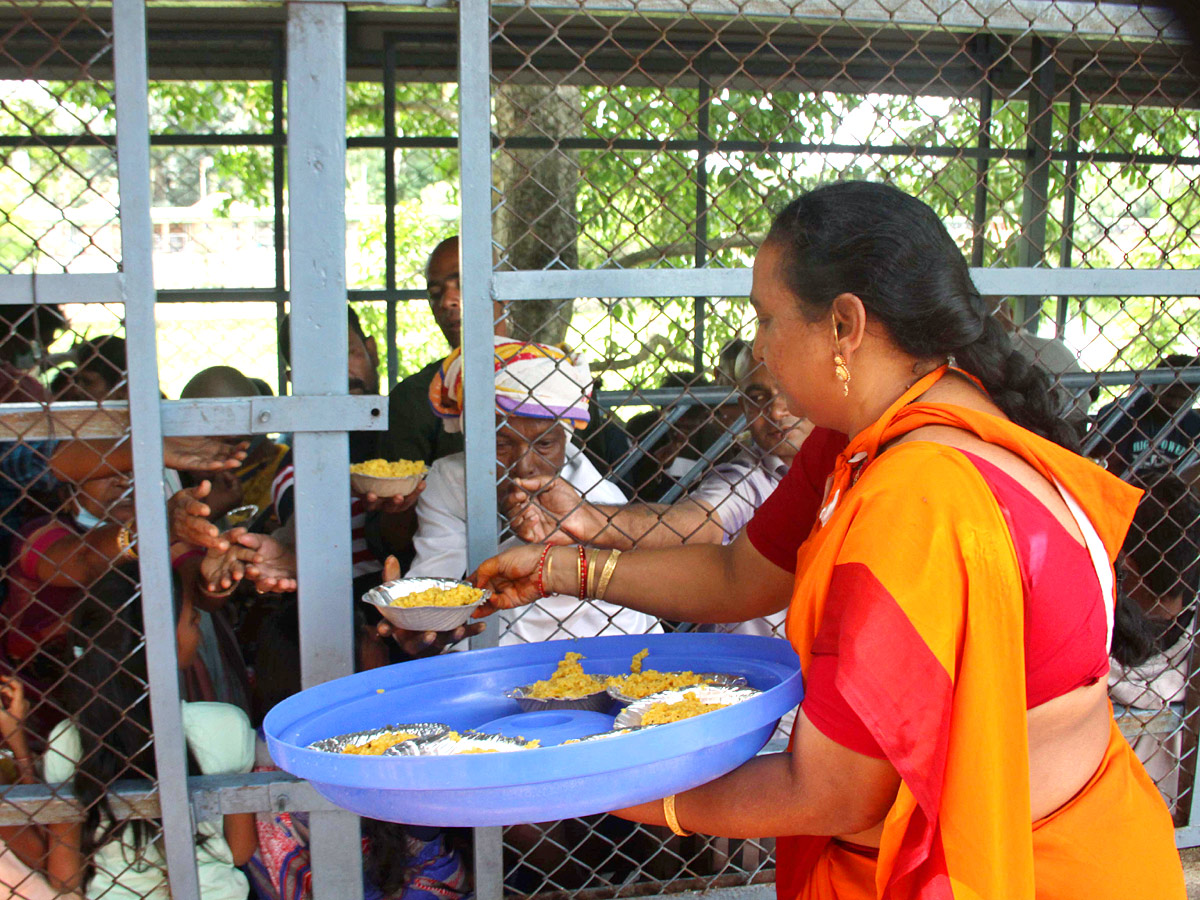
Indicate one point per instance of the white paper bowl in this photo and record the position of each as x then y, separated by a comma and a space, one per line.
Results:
385, 487
421, 618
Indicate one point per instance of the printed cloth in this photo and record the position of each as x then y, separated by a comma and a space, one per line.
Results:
534, 380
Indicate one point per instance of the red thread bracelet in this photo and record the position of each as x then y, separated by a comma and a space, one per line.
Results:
583, 569
541, 585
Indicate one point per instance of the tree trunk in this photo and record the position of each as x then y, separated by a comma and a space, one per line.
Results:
536, 225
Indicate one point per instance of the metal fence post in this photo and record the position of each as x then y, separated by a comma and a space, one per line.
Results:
145, 419
479, 419
316, 68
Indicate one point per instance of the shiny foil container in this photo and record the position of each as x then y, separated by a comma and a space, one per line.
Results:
716, 679
424, 731
631, 715
599, 701
601, 736
467, 743
421, 618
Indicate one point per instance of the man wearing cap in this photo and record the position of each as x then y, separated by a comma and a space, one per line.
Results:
541, 397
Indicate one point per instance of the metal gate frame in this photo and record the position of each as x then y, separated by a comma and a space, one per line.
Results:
316, 144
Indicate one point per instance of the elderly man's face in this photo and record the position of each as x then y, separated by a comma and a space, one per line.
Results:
528, 448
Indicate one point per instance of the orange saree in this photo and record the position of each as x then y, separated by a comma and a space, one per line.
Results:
930, 650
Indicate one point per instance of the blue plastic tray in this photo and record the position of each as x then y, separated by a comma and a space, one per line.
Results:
466, 690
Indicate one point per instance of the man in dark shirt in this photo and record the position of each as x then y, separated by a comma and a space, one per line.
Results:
414, 432
1128, 435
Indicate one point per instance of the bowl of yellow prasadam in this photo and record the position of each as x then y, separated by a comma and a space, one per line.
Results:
642, 682
569, 687
676, 705
387, 479
426, 604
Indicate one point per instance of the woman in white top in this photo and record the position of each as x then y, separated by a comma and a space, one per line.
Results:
109, 737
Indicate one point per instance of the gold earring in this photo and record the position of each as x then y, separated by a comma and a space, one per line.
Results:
840, 367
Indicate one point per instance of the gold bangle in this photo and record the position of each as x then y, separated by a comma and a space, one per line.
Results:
592, 573
125, 542
546, 567
610, 566
672, 819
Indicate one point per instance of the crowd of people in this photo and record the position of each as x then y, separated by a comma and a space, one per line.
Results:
693, 527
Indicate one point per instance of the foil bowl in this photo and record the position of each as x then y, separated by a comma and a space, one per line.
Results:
462, 744
424, 731
715, 679
631, 716
601, 736
599, 701
421, 618
383, 486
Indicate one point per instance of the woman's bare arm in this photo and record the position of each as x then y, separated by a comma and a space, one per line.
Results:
693, 583
819, 788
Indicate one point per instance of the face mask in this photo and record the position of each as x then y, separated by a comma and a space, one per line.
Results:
86, 520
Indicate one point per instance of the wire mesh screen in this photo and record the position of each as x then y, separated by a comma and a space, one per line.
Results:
655, 136
668, 136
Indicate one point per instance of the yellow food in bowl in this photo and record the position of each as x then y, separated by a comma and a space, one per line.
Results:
689, 706
643, 684
567, 682
381, 468
376, 746
459, 595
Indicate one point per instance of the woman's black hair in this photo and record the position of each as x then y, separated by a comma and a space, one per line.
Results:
107, 691
893, 253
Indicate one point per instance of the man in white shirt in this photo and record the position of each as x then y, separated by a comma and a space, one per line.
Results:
548, 508
541, 394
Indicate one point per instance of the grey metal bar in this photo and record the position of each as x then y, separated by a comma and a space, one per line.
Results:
699, 304
710, 456
154, 560
389, 201
645, 444
531, 142
979, 213
271, 295
1035, 195
241, 415
21, 290
1066, 18
479, 402
316, 70
997, 281
1071, 179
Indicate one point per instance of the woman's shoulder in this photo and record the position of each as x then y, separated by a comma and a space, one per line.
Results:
929, 459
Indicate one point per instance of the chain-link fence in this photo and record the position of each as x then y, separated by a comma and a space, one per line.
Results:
632, 163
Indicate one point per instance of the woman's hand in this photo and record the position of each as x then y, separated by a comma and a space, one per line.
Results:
419, 644
188, 516
203, 454
512, 578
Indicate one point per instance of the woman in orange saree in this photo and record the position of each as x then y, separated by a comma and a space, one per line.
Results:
912, 606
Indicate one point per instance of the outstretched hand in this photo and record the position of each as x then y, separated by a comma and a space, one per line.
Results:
188, 516
203, 454
419, 644
512, 578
